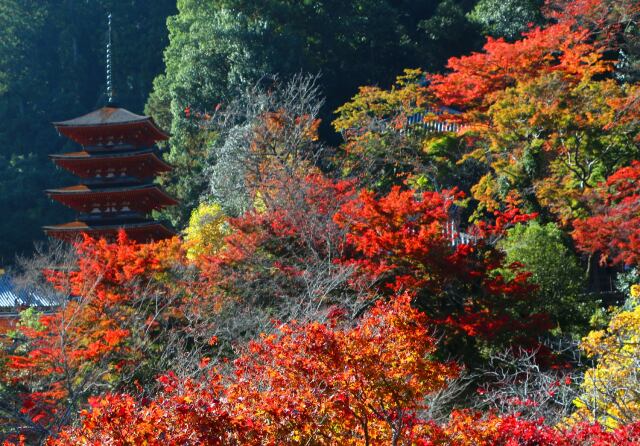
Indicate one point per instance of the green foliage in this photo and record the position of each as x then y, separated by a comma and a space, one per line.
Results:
625, 280
382, 149
506, 18
442, 32
28, 318
219, 48
31, 318
212, 51
554, 268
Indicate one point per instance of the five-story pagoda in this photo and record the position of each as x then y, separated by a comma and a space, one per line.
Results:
117, 164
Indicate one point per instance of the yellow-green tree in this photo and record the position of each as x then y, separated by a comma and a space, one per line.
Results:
401, 134
206, 231
551, 138
611, 389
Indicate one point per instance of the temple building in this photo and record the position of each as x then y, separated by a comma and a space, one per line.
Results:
14, 299
116, 165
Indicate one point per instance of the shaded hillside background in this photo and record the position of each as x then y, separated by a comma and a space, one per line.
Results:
52, 68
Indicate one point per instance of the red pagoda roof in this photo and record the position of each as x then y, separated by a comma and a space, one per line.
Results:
83, 198
140, 232
139, 163
112, 125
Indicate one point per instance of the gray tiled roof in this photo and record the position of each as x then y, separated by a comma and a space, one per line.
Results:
104, 116
12, 297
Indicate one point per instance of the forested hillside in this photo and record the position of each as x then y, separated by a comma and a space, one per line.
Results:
52, 62
219, 48
401, 223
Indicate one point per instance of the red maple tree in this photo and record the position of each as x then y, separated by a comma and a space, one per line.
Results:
613, 229
401, 241
93, 337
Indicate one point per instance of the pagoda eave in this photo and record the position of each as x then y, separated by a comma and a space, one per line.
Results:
112, 125
141, 198
140, 232
140, 164
140, 134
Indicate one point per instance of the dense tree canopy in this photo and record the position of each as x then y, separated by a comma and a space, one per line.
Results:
544, 252
219, 48
423, 278
508, 19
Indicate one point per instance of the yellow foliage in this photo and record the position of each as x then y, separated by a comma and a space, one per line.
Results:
486, 192
206, 231
611, 390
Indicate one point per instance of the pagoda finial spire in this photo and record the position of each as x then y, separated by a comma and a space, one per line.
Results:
109, 65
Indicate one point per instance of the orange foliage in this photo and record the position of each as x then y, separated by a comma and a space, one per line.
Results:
474, 79
93, 327
339, 386
311, 384
318, 384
